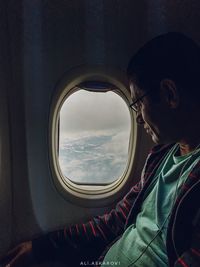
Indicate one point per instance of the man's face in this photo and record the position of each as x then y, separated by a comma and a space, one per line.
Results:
154, 115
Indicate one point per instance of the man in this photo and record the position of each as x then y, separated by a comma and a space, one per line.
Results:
158, 221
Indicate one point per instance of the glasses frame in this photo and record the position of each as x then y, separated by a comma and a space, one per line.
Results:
132, 105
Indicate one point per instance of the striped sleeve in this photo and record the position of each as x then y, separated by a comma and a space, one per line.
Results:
97, 233
105, 228
191, 257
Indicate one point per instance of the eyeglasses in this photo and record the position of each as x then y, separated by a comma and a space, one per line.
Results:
135, 106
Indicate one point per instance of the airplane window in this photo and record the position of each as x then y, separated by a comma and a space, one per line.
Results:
94, 131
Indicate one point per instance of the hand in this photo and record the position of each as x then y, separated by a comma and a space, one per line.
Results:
20, 256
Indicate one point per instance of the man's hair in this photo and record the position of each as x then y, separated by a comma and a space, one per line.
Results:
169, 56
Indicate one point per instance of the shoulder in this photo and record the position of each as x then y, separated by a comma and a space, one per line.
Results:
160, 149
154, 157
157, 152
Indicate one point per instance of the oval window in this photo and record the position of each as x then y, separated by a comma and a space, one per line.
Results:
94, 132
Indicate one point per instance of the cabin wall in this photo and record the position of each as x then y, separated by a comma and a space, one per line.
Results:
5, 146
41, 42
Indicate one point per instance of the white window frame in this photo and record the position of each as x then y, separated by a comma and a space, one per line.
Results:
65, 88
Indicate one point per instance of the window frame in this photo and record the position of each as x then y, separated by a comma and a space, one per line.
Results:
63, 90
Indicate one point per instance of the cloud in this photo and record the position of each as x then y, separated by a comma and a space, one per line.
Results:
95, 158
89, 111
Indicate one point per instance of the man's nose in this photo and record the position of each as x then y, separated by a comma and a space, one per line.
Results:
139, 118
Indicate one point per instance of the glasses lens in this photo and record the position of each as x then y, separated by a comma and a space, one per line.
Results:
137, 103
134, 107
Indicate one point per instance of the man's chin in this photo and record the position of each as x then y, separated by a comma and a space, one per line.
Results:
156, 139
159, 141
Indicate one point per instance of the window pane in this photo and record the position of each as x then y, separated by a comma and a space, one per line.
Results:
94, 137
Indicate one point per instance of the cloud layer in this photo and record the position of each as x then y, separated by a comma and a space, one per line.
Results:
94, 137
94, 159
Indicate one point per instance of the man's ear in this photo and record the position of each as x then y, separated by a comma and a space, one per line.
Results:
170, 93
